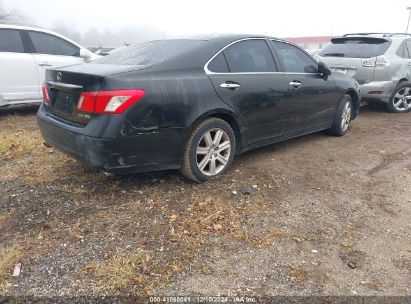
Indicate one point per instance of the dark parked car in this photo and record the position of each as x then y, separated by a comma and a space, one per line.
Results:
191, 104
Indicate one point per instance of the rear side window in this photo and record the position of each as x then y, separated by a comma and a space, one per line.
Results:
150, 53
354, 47
403, 51
10, 41
250, 56
293, 59
218, 64
408, 47
49, 44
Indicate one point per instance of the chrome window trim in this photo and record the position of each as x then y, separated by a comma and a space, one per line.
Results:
208, 72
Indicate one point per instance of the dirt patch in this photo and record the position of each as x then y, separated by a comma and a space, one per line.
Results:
316, 215
353, 258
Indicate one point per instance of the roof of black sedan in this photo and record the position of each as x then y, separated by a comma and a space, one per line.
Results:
174, 52
217, 36
219, 40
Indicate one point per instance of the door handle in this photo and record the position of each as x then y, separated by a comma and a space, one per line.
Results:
295, 84
230, 85
45, 64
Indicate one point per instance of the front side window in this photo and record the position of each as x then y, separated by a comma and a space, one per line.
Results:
49, 44
250, 56
293, 59
10, 41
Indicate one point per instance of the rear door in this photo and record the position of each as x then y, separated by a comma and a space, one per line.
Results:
18, 71
354, 56
313, 98
50, 51
245, 76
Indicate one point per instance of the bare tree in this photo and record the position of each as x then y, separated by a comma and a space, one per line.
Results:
69, 31
4, 13
12, 15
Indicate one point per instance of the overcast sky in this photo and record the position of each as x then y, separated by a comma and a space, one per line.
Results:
283, 18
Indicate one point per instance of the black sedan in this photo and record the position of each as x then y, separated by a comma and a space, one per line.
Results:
191, 104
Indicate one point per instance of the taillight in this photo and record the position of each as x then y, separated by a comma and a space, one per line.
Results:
45, 91
368, 62
382, 61
375, 61
86, 102
108, 102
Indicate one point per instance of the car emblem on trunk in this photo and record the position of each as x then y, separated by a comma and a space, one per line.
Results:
59, 76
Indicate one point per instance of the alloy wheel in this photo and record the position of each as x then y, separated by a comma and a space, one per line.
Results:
213, 151
402, 99
346, 116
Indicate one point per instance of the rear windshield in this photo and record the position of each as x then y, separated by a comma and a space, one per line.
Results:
355, 47
149, 53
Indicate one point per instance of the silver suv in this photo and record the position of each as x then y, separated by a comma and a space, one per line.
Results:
380, 62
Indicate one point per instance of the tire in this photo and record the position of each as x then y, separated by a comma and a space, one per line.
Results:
205, 154
398, 102
343, 117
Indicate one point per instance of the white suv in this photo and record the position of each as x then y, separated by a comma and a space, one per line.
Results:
25, 53
380, 62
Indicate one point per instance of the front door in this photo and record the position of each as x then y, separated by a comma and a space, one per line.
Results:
313, 98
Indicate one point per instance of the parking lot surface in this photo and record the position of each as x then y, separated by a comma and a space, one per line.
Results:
316, 215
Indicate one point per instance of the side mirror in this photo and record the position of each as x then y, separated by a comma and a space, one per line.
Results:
85, 55
323, 69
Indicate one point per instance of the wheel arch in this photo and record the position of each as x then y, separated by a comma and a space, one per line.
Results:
231, 118
355, 99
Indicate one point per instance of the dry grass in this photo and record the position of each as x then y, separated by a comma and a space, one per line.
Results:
297, 274
22, 153
268, 238
3, 217
40, 169
207, 216
121, 272
20, 143
8, 258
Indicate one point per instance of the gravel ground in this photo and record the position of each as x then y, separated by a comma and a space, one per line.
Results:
316, 215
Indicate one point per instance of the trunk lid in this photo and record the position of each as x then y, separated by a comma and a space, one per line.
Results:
66, 84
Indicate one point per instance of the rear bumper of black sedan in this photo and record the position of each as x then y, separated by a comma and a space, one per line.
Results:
160, 149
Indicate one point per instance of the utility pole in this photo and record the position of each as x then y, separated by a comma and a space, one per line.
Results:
409, 17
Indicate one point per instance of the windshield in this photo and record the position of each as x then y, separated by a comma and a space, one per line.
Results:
149, 53
355, 47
